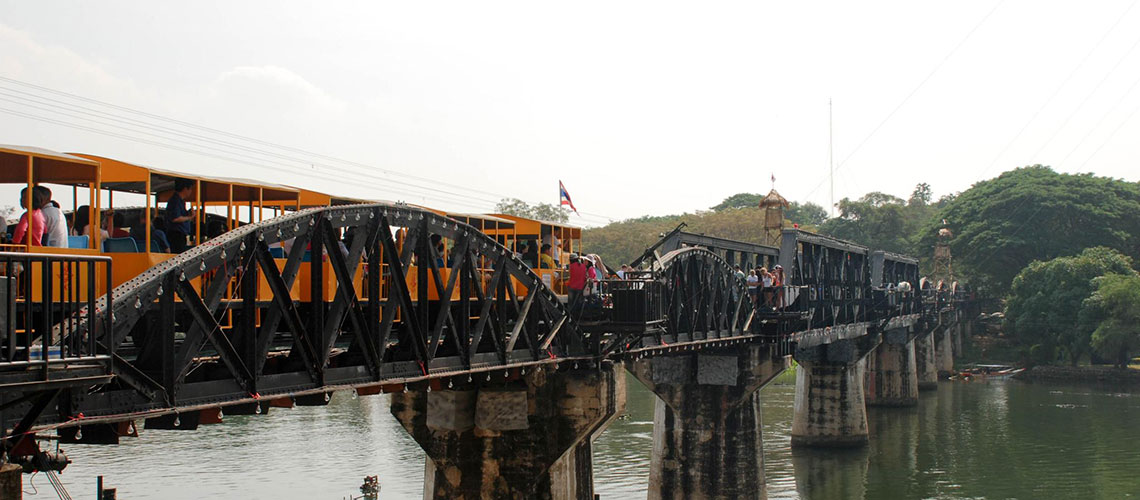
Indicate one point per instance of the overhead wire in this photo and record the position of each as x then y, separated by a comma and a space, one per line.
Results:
460, 198
359, 168
911, 94
1056, 91
1092, 92
1110, 136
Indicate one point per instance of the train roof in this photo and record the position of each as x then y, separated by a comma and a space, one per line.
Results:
540, 221
491, 218
132, 177
60, 167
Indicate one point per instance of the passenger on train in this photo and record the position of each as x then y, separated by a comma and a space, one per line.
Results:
158, 241
178, 217
21, 236
82, 225
437, 244
215, 228
555, 245
113, 223
530, 254
547, 259
55, 225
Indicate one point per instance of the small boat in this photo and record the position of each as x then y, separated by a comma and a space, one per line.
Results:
987, 372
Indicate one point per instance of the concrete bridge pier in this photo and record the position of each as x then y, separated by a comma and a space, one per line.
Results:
944, 338
707, 439
527, 437
959, 334
892, 372
830, 410
925, 359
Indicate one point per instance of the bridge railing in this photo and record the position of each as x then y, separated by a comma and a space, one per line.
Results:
635, 301
42, 297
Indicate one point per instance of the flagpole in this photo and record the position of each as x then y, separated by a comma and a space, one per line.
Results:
830, 157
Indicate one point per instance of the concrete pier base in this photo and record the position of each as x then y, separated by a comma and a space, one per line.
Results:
829, 407
925, 366
892, 375
707, 439
526, 438
945, 354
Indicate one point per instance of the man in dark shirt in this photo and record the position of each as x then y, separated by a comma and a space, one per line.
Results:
178, 217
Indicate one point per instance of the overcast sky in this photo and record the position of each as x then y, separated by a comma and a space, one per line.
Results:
640, 108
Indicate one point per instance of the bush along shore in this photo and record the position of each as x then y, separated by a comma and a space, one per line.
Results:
1125, 377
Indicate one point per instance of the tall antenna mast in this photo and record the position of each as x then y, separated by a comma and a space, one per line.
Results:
830, 159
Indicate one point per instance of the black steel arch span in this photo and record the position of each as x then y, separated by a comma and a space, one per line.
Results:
194, 332
704, 298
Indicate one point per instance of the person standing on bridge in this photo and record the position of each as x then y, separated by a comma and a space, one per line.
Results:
753, 281
577, 281
178, 217
766, 286
778, 285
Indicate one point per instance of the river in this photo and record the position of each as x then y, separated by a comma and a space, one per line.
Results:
1002, 439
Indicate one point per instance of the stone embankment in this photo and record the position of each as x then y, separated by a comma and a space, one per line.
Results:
1082, 374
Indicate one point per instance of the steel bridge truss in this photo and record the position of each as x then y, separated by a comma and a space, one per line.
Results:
220, 323
833, 277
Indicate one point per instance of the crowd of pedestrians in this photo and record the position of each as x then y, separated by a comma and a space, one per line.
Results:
765, 288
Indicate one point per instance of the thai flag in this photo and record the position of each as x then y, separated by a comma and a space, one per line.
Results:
564, 197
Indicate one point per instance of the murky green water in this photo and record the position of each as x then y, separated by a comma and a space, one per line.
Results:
995, 440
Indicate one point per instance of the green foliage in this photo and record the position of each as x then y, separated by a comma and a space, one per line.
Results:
541, 211
1033, 213
1116, 304
626, 240
806, 214
882, 221
1045, 301
739, 200
921, 195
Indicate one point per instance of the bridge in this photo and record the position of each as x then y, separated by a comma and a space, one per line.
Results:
501, 382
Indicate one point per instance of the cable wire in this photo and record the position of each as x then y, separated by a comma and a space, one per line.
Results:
356, 166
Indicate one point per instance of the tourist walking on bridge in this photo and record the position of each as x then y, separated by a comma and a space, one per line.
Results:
577, 281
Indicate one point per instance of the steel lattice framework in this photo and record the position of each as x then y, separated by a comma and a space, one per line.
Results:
705, 299
202, 333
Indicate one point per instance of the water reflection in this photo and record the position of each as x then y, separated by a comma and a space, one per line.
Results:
966, 440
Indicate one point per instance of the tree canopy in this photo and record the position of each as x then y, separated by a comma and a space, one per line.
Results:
541, 211
1033, 213
1046, 300
882, 221
1116, 304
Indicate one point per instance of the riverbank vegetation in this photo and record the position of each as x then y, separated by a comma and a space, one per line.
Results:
1058, 250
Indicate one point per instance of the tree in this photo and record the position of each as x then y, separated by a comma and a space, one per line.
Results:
877, 220
738, 200
921, 195
805, 214
1116, 302
1045, 303
541, 211
1033, 213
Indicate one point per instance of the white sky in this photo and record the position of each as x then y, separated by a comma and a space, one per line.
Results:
640, 108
